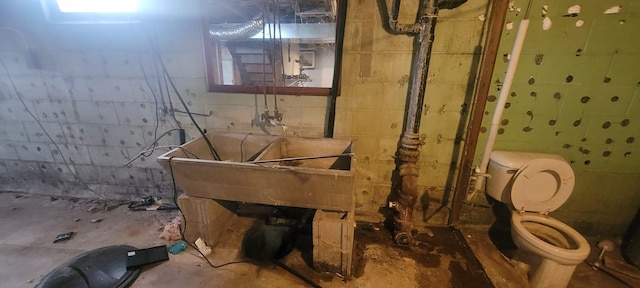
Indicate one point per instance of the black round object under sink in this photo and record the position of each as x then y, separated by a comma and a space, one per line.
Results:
104, 267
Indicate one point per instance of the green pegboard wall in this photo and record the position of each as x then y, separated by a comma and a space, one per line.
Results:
576, 91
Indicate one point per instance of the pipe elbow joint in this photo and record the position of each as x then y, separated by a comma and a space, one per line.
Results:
403, 239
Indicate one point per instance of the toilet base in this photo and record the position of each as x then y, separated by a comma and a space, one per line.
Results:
550, 274
542, 272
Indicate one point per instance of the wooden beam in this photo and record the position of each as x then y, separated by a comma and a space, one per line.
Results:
496, 18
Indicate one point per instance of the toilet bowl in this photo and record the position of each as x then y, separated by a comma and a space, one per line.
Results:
533, 185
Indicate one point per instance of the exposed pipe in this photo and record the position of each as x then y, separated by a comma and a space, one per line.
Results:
237, 31
335, 85
409, 152
502, 98
496, 25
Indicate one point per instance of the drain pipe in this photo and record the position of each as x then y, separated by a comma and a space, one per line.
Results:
502, 99
409, 152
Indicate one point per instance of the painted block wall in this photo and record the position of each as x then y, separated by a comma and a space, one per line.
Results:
371, 109
90, 95
577, 93
92, 74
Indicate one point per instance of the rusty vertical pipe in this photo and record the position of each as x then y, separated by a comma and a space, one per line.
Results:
409, 152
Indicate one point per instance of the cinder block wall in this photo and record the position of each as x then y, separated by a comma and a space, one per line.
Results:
371, 110
91, 97
89, 93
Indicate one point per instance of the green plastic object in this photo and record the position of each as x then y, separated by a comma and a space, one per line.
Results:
177, 247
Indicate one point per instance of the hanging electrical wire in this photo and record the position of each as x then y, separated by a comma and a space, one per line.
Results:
150, 147
155, 99
275, 93
275, 60
265, 13
163, 80
272, 39
64, 159
212, 149
183, 231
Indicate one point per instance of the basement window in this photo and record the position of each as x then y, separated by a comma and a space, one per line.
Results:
91, 11
274, 47
98, 6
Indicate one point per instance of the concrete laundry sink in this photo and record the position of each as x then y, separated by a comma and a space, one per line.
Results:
249, 173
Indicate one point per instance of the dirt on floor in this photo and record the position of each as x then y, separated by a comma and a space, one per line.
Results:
438, 256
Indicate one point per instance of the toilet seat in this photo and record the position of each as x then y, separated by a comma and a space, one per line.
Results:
542, 185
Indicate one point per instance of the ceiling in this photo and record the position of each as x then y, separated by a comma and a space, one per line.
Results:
288, 11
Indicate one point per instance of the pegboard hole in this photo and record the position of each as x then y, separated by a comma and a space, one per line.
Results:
491, 98
500, 131
587, 162
624, 122
483, 129
615, 99
630, 140
585, 99
557, 95
504, 122
583, 140
606, 125
527, 129
531, 81
513, 94
606, 153
552, 122
608, 141
538, 59
577, 123
578, 52
533, 94
627, 154
569, 79
606, 79
507, 105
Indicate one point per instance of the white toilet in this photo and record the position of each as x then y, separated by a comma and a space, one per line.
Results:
533, 185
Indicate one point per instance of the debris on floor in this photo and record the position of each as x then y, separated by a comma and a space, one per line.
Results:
104, 205
27, 252
63, 237
204, 249
151, 203
178, 247
171, 231
139, 257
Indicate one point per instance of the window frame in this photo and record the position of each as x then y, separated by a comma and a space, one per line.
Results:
334, 90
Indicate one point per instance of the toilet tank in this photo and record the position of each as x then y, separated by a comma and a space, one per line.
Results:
503, 165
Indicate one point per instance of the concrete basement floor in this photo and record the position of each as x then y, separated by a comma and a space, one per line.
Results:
30, 223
